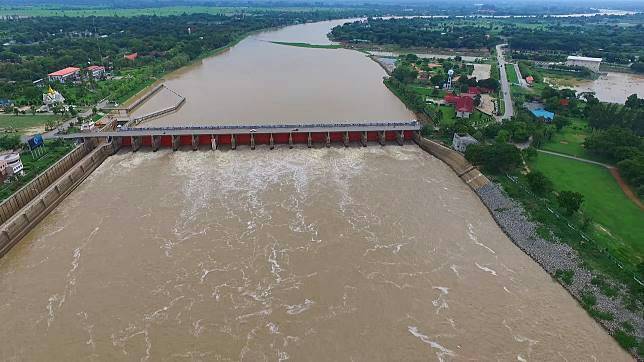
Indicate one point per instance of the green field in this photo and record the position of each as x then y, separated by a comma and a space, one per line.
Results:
619, 226
159, 11
511, 73
307, 45
25, 121
570, 140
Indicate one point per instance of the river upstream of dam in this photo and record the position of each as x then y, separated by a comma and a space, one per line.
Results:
326, 254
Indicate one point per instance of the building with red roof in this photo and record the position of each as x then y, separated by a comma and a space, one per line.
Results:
63, 75
529, 79
95, 71
564, 102
463, 103
464, 106
132, 56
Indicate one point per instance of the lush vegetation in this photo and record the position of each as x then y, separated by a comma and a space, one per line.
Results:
23, 122
34, 166
415, 32
38, 46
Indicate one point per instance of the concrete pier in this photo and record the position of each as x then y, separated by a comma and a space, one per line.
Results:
290, 140
271, 142
252, 141
156, 143
328, 139
400, 137
346, 139
309, 141
195, 142
233, 142
136, 143
363, 139
175, 143
213, 142
381, 138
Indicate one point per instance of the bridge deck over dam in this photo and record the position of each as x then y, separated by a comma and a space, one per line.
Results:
252, 135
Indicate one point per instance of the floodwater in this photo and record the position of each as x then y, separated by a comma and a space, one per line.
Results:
611, 87
365, 254
256, 80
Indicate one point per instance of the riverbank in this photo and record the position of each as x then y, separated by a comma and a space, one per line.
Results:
559, 260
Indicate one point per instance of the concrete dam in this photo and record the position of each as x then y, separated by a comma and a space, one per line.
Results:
253, 135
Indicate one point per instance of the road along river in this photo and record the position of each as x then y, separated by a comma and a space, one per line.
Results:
377, 253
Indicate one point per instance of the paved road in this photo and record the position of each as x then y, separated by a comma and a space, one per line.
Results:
178, 131
576, 158
505, 86
522, 81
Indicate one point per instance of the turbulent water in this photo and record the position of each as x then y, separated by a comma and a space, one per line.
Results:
365, 254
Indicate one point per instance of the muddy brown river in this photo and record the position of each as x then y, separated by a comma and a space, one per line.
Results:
339, 254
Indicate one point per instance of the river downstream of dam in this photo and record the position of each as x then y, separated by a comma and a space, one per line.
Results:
364, 254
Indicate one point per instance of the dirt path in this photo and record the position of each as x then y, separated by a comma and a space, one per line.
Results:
613, 171
625, 188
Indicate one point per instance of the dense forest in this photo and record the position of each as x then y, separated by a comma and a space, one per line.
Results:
415, 32
34, 47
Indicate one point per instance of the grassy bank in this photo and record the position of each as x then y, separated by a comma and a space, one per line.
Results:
617, 220
307, 45
22, 122
570, 140
512, 74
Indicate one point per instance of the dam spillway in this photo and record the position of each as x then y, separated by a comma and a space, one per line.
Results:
252, 135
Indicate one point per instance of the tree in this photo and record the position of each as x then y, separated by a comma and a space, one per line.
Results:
570, 201
9, 142
633, 102
503, 136
539, 183
495, 158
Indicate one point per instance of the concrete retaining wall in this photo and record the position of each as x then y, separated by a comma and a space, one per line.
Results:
465, 170
18, 225
22, 197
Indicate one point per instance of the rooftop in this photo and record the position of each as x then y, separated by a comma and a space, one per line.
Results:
92, 68
586, 59
63, 72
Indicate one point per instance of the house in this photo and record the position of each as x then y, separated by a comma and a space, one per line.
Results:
464, 106
131, 57
462, 140
543, 114
529, 79
586, 62
63, 75
10, 164
564, 102
95, 71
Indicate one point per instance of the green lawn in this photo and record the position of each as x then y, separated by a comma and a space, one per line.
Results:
25, 121
512, 74
619, 225
570, 140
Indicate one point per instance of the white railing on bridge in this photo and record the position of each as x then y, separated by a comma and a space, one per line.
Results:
294, 127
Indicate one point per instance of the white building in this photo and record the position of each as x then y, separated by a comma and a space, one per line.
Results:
462, 140
586, 62
51, 98
10, 164
64, 75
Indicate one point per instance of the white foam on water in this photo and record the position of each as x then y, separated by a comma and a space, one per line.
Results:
440, 302
485, 269
442, 351
454, 268
273, 328
521, 359
299, 308
472, 236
